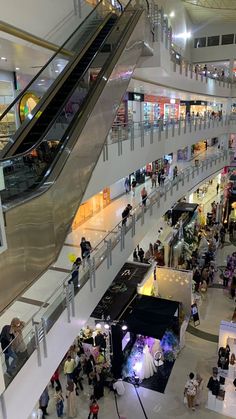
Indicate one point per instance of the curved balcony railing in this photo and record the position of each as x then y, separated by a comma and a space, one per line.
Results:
36, 329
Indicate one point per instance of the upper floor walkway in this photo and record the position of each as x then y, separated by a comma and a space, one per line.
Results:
50, 308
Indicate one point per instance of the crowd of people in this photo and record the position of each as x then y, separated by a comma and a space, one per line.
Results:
85, 366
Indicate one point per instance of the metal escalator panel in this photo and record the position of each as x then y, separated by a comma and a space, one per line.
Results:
37, 222
26, 172
33, 99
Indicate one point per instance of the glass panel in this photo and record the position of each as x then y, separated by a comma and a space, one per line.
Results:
213, 41
24, 173
29, 101
199, 42
227, 39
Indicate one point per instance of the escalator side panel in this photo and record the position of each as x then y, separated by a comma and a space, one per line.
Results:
36, 229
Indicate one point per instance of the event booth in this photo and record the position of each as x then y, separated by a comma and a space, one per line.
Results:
222, 396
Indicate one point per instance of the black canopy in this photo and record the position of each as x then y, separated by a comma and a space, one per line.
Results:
150, 316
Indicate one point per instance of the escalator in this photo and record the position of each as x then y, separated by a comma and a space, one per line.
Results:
50, 160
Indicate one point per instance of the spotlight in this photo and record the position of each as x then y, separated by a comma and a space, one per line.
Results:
172, 14
124, 327
106, 326
98, 326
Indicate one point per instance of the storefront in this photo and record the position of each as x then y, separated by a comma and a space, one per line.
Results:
8, 123
193, 107
91, 207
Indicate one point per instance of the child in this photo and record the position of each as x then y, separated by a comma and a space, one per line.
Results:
94, 408
59, 399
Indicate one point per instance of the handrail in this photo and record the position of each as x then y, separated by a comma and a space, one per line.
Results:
182, 174
47, 63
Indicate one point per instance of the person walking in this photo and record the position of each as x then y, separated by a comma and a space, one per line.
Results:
133, 186
126, 214
141, 254
59, 400
43, 402
190, 391
71, 400
144, 196
55, 379
75, 273
217, 188
6, 338
93, 409
154, 180
69, 367
175, 172
127, 185
85, 247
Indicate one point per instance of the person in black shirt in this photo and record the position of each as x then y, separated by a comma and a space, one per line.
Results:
86, 248
126, 214
75, 273
6, 338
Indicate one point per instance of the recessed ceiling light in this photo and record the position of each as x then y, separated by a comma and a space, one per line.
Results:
42, 80
172, 14
56, 71
3, 59
17, 68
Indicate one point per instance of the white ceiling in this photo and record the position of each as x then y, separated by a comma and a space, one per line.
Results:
211, 10
28, 59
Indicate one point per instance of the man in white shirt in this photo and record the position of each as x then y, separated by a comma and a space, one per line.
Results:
119, 387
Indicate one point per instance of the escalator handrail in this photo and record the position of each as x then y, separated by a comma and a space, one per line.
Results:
35, 145
83, 112
46, 65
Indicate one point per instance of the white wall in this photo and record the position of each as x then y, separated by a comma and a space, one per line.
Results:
180, 23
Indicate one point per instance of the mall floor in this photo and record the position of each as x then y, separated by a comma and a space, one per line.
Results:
199, 355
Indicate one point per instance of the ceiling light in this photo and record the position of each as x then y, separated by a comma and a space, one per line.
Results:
172, 14
106, 326
124, 327
17, 68
56, 71
3, 59
42, 80
98, 326
184, 35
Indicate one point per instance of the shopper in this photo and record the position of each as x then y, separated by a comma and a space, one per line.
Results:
135, 256
126, 214
217, 188
119, 387
55, 379
89, 368
175, 172
226, 277
18, 345
200, 382
141, 254
59, 400
86, 248
75, 273
71, 400
43, 402
100, 341
127, 185
154, 180
144, 196
69, 367
133, 185
190, 390
93, 409
6, 338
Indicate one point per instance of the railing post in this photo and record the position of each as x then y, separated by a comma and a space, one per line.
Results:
173, 127
142, 215
151, 134
119, 142
37, 342
142, 135
132, 137
133, 232
167, 128
179, 127
109, 255
160, 129
185, 125
191, 70
105, 151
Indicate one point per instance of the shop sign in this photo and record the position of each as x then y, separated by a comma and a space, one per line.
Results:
138, 97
